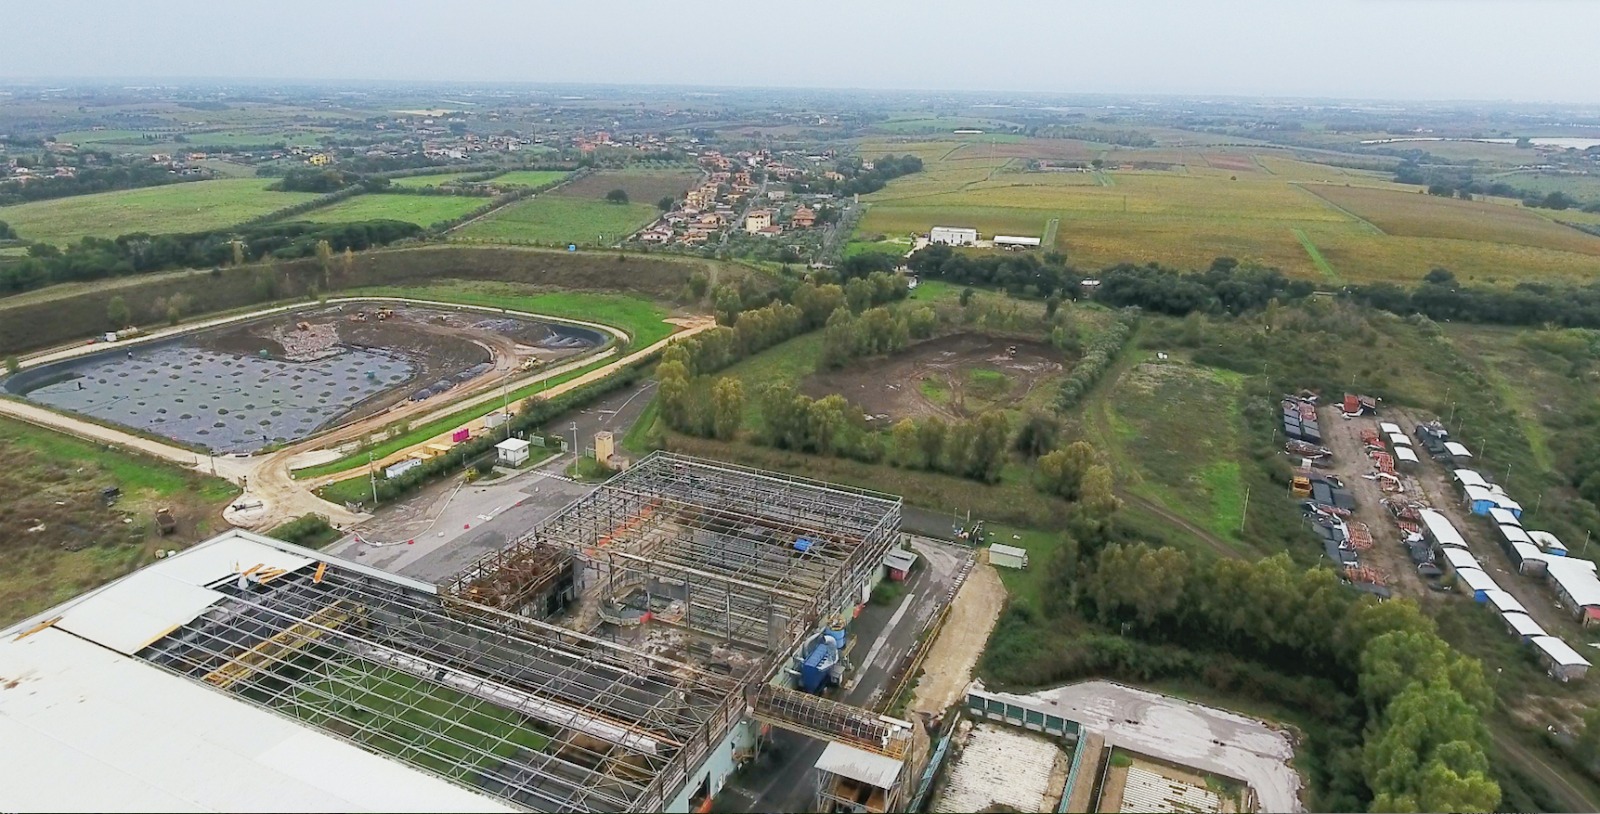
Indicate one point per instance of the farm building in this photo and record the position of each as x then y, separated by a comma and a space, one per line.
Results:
1457, 451
1548, 543
1504, 603
953, 235
1477, 582
249, 673
1459, 559
1011, 241
1440, 531
1502, 517
1468, 477
1405, 459
1008, 556
1528, 558
1576, 586
1523, 626
512, 451
1559, 659
1511, 535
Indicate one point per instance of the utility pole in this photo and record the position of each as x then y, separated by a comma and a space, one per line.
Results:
372, 477
505, 402
575, 453
1246, 511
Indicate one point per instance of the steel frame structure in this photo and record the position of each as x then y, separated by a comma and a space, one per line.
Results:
392, 668
723, 540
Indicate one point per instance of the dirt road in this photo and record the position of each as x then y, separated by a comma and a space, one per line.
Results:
948, 669
1387, 555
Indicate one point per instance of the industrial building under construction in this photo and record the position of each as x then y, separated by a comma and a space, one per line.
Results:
621, 656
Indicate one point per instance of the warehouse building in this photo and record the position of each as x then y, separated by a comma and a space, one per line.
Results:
953, 236
249, 673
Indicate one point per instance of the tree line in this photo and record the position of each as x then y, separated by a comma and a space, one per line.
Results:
1021, 275
1441, 297
94, 258
1094, 363
89, 180
1459, 182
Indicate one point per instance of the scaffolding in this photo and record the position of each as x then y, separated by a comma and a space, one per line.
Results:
741, 555
547, 718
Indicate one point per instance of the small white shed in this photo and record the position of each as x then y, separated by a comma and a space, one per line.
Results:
513, 451
1008, 556
1559, 658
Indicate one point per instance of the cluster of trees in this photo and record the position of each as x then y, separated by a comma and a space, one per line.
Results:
1225, 287
1440, 297
6, 232
1022, 275
89, 180
94, 258
1094, 363
859, 181
874, 332
327, 180
311, 530
974, 448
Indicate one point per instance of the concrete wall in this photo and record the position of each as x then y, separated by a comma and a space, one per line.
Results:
718, 765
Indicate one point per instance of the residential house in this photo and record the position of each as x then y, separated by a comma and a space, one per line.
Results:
803, 218
757, 220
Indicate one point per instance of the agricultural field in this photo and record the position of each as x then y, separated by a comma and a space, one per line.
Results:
189, 207
435, 180
1185, 206
423, 210
1409, 214
1584, 188
531, 178
951, 377
554, 219
643, 186
60, 536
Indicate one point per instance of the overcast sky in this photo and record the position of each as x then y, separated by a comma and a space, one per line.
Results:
1519, 50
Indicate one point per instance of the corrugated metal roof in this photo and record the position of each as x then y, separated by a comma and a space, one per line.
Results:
1008, 550
1576, 578
1399, 440
1545, 540
1514, 534
1457, 449
1559, 651
1439, 526
900, 559
1405, 454
1524, 625
226, 556
89, 729
1467, 477
1460, 558
859, 764
1388, 427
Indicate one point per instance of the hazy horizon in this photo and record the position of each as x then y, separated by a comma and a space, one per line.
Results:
1522, 51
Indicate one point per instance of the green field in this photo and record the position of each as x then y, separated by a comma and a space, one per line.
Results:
431, 726
556, 220
439, 179
423, 210
1185, 206
528, 178
644, 186
191, 207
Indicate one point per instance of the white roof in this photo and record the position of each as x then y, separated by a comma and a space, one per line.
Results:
1456, 449
1008, 549
1023, 241
1504, 602
1502, 517
512, 445
1576, 580
1388, 427
87, 727
900, 558
1476, 580
1508, 504
1398, 440
1439, 526
1545, 540
1467, 477
1527, 551
859, 764
1405, 454
1524, 625
1559, 651
1460, 558
1475, 492
1514, 534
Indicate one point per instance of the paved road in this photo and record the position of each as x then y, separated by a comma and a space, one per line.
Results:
447, 526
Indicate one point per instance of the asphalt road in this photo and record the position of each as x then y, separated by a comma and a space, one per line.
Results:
448, 525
